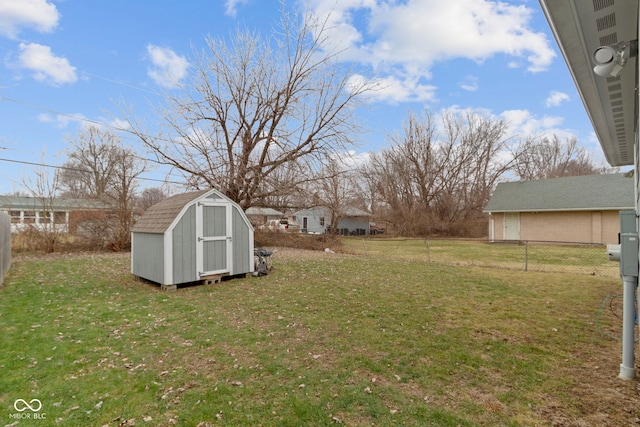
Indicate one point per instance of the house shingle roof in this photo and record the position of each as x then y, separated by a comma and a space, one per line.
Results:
62, 204
263, 211
321, 210
159, 217
590, 192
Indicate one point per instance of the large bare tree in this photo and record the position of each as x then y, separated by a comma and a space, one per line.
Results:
541, 158
91, 163
256, 104
432, 181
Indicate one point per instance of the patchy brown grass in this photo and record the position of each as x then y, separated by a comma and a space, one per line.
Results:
325, 339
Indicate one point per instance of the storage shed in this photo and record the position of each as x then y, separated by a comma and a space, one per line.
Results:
192, 237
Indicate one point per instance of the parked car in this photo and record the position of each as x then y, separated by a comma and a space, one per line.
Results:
375, 229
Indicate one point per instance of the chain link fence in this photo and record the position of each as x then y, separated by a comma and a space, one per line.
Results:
565, 257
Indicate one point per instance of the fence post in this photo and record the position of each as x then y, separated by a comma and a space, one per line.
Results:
5, 245
426, 242
526, 255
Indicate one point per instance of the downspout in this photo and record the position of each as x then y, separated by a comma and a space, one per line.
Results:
627, 368
492, 227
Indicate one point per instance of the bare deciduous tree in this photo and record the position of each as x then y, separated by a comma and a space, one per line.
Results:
336, 189
431, 182
90, 165
99, 167
254, 106
551, 158
44, 187
122, 190
149, 197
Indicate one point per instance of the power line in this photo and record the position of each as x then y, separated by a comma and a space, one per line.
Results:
107, 79
71, 116
24, 162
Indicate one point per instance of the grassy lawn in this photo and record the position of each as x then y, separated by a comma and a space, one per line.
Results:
324, 340
531, 257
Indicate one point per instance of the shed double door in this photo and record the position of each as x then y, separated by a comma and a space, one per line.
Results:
214, 246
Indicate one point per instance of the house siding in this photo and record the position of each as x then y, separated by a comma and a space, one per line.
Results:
580, 227
354, 224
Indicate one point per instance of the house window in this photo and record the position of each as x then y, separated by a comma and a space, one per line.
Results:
59, 217
29, 217
304, 222
15, 217
321, 221
44, 218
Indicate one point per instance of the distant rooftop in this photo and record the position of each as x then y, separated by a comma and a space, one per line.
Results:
62, 204
590, 192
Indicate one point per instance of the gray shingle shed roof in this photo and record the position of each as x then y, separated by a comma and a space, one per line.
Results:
159, 217
576, 193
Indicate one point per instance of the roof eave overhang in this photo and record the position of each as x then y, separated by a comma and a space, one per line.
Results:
594, 209
580, 27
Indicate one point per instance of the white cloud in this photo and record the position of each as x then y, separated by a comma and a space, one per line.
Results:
61, 121
405, 39
45, 66
520, 123
37, 14
395, 89
556, 98
168, 67
524, 123
231, 6
470, 84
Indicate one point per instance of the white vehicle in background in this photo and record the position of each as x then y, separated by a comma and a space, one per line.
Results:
276, 225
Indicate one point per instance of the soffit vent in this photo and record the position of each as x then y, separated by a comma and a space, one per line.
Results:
602, 4
606, 22
609, 39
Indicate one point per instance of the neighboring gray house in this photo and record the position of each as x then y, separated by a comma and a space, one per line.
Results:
259, 216
581, 209
192, 237
317, 220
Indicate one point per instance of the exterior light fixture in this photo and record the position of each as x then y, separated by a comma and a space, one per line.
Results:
610, 60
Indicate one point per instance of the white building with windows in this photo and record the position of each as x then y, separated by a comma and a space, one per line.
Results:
42, 213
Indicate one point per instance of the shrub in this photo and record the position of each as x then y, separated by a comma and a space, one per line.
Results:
317, 242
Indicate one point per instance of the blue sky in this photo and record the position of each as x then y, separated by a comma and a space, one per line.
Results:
67, 63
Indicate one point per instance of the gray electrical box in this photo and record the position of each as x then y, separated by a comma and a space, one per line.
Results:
628, 244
